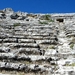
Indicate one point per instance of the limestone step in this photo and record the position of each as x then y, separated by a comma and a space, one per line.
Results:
40, 26
24, 67
46, 41
10, 40
17, 36
18, 45
41, 37
4, 49
23, 57
26, 41
27, 51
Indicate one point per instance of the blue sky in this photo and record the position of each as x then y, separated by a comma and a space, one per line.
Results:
40, 6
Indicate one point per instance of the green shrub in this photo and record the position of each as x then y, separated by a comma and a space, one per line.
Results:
16, 24
71, 46
73, 64
47, 17
44, 22
51, 20
51, 47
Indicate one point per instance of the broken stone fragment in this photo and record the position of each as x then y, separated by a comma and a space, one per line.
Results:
14, 16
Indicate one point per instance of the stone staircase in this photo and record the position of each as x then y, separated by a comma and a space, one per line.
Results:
37, 44
34, 48
26, 47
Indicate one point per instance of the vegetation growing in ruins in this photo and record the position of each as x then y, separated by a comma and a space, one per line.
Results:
71, 46
51, 47
47, 17
73, 64
44, 22
51, 20
16, 24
